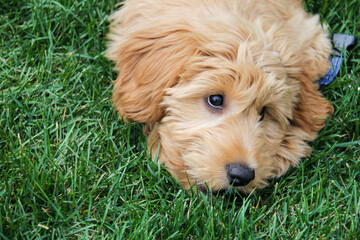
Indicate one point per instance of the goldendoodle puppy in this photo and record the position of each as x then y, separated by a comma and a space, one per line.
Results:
225, 87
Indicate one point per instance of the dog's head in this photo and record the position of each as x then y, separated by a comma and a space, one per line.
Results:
222, 105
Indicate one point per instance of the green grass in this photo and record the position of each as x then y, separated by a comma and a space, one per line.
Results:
70, 169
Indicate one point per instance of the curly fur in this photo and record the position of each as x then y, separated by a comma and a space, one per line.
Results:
172, 54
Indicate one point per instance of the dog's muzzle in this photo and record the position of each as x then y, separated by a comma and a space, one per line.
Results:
239, 175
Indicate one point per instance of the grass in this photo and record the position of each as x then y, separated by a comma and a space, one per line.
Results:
70, 169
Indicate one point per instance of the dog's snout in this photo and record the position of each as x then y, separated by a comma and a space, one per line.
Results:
239, 175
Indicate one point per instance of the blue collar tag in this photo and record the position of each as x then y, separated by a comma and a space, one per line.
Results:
341, 44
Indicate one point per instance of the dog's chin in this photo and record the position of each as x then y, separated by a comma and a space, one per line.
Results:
220, 192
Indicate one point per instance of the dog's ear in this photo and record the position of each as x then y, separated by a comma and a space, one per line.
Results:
311, 111
149, 59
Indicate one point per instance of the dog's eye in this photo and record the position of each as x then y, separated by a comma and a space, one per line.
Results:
215, 101
262, 113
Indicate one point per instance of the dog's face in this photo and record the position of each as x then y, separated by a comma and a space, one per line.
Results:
222, 108
226, 120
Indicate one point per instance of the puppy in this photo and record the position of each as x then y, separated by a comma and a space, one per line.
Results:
225, 88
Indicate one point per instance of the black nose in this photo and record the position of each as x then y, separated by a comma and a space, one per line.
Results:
239, 175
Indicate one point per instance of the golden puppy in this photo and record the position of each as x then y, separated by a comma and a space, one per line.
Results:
225, 87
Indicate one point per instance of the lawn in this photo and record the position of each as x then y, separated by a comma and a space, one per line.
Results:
69, 169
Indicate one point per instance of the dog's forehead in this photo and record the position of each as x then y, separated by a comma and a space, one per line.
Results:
238, 79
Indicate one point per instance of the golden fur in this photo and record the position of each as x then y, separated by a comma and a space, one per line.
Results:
172, 54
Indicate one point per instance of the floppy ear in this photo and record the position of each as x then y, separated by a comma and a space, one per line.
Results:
312, 109
150, 58
309, 116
